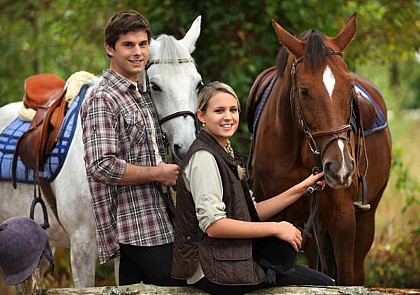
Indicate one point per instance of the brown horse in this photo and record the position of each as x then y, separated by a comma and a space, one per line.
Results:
316, 116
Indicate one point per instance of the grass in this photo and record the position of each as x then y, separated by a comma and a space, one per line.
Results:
391, 221
393, 258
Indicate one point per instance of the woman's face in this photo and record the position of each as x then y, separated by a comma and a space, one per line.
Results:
221, 118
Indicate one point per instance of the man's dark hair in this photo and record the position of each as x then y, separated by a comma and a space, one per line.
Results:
125, 22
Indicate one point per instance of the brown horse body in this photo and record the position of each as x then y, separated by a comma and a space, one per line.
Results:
311, 111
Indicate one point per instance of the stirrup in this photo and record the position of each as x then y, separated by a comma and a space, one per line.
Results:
361, 206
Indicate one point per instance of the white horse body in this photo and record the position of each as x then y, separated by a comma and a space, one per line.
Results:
178, 92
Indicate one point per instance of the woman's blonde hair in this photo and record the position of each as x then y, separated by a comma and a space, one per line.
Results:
211, 89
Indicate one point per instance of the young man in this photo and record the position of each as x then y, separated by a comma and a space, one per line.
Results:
124, 159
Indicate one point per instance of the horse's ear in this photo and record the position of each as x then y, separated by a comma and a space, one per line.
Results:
293, 44
192, 35
343, 39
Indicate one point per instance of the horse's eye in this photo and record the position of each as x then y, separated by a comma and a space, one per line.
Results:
155, 87
304, 91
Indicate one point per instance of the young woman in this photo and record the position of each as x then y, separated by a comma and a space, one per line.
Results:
218, 223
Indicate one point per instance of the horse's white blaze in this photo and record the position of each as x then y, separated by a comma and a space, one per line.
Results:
342, 171
329, 80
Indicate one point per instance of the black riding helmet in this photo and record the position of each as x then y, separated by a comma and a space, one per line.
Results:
275, 256
22, 244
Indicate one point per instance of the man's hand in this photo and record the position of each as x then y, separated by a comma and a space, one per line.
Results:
168, 174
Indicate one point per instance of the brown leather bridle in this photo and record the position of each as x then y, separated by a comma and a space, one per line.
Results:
336, 133
342, 132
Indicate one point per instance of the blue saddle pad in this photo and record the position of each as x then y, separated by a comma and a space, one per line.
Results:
261, 104
11, 134
380, 122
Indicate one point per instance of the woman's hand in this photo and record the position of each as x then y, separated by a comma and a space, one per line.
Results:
312, 179
289, 233
272, 206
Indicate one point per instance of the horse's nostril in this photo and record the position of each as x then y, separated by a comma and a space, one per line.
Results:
351, 169
352, 165
327, 167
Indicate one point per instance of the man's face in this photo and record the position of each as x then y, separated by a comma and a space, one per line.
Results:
130, 55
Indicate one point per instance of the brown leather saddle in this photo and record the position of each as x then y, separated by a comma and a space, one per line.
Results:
45, 93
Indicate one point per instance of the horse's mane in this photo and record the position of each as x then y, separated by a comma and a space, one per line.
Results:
170, 50
315, 51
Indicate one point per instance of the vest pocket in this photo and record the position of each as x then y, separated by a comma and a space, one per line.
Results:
233, 265
227, 252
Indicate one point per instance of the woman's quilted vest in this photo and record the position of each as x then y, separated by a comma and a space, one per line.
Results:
224, 261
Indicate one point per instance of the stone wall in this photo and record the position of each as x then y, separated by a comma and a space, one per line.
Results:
142, 289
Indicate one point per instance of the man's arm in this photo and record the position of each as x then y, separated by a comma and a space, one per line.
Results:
166, 174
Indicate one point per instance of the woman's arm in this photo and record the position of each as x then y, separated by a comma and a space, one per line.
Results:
238, 229
272, 206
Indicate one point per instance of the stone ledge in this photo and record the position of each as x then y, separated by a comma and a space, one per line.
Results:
144, 289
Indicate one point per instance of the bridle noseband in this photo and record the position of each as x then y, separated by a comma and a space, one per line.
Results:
336, 132
168, 61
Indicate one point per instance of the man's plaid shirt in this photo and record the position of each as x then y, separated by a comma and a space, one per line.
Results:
116, 131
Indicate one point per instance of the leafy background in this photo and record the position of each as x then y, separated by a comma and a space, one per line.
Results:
237, 42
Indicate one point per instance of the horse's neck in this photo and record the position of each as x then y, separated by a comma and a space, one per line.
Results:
280, 123
279, 104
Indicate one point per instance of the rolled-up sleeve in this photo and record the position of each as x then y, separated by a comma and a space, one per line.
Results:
100, 140
203, 180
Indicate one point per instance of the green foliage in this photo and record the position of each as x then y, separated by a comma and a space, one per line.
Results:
408, 186
395, 265
410, 81
237, 40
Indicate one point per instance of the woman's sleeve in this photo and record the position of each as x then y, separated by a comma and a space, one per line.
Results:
203, 179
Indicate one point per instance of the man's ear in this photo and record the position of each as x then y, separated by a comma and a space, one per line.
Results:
109, 50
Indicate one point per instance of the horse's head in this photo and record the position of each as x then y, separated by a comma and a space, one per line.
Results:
174, 82
321, 96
